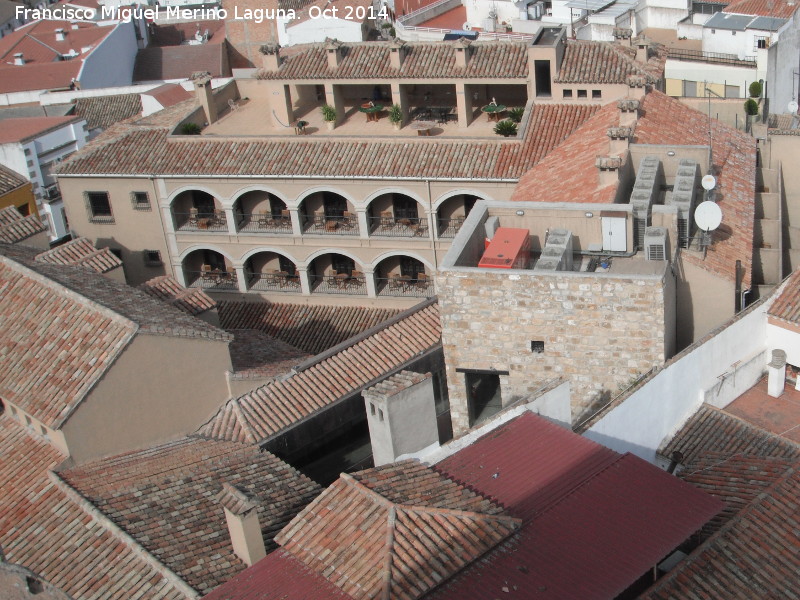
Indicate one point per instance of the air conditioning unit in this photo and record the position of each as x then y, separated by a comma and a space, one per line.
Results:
655, 243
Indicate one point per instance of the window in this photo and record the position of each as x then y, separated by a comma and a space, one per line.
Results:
140, 201
152, 258
713, 31
483, 395
596, 94
372, 409
582, 94
761, 42
567, 93
733, 33
380, 415
99, 207
537, 346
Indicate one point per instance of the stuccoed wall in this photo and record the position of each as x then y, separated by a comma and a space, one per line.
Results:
600, 331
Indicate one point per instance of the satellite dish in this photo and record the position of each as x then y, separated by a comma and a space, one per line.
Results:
793, 107
708, 216
708, 182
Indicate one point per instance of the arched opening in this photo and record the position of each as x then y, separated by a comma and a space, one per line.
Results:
209, 269
259, 211
328, 212
403, 276
336, 274
196, 210
271, 272
452, 212
396, 215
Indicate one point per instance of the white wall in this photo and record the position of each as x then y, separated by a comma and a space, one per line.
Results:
660, 406
658, 17
316, 30
13, 157
779, 338
781, 81
478, 11
111, 62
738, 43
712, 73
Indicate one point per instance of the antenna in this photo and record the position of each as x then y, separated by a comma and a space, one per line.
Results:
708, 217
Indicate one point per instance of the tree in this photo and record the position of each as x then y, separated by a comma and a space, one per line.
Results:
750, 107
755, 89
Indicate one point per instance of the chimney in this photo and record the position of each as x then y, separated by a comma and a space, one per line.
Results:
619, 138
628, 112
776, 370
623, 36
397, 53
642, 46
637, 86
333, 50
241, 514
202, 85
271, 53
401, 415
463, 50
607, 170
61, 35
19, 59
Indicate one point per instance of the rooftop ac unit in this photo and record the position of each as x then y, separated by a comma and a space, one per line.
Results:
655, 243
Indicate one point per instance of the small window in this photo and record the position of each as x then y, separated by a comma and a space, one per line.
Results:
582, 94
733, 33
140, 201
713, 31
380, 415
152, 258
27, 151
567, 93
596, 94
372, 409
537, 346
99, 207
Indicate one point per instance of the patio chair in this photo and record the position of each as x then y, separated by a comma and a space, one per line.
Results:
193, 214
207, 273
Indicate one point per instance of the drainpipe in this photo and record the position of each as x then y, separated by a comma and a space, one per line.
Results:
433, 223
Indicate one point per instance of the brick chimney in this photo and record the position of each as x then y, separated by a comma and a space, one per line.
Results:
202, 85
623, 36
619, 138
628, 112
397, 53
333, 50
607, 169
241, 514
637, 85
462, 50
271, 56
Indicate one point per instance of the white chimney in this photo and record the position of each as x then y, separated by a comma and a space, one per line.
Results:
19, 59
241, 515
776, 370
61, 35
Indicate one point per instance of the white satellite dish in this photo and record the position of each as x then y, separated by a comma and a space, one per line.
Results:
708, 182
708, 216
793, 107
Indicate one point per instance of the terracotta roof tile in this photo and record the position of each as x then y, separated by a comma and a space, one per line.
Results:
168, 499
787, 305
42, 529
268, 409
604, 63
311, 328
374, 541
169, 94
165, 287
256, 354
156, 63
21, 129
782, 9
370, 60
82, 253
10, 180
16, 228
104, 111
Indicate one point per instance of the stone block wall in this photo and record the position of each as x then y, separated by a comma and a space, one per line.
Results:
599, 331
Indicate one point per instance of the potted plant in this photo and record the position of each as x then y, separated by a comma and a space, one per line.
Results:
506, 128
751, 110
755, 89
190, 129
329, 116
396, 116
515, 114
386, 30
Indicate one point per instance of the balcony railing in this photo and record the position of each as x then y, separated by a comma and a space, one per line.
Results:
263, 223
201, 221
213, 279
340, 284
396, 227
344, 225
404, 286
274, 282
448, 228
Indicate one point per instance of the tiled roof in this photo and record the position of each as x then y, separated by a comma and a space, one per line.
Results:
787, 305
191, 300
733, 160
603, 63
42, 529
156, 63
375, 541
712, 430
10, 180
783, 9
755, 554
24, 128
54, 346
142, 149
370, 60
150, 315
16, 228
256, 354
168, 499
339, 373
103, 111
82, 253
169, 94
312, 328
